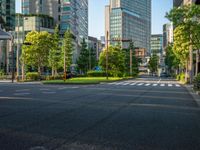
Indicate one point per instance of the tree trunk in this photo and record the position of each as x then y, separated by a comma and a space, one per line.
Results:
197, 62
23, 71
186, 71
52, 72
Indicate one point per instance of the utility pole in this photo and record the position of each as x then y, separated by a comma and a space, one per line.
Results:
107, 56
131, 62
18, 46
65, 73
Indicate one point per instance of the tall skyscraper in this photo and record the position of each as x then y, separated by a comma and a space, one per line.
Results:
69, 14
7, 14
129, 19
167, 35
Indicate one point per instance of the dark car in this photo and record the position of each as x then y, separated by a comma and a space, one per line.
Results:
164, 74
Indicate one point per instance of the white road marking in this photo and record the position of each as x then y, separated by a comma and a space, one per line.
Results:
147, 84
18, 94
177, 85
44, 89
155, 84
126, 83
23, 90
162, 84
48, 92
133, 83
170, 85
140, 84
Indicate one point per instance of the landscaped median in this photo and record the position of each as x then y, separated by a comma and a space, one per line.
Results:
83, 80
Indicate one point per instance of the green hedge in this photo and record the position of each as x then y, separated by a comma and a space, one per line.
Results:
32, 76
196, 81
96, 73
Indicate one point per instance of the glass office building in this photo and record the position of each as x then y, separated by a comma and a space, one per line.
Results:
7, 14
130, 19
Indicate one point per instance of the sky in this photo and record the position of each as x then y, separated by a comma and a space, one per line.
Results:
97, 22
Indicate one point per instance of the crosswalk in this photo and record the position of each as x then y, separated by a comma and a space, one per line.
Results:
139, 84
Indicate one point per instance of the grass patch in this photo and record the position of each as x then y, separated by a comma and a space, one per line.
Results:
83, 80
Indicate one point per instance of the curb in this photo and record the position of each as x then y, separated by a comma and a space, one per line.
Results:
194, 94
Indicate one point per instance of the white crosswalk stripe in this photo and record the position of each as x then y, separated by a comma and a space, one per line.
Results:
162, 84
140, 84
126, 83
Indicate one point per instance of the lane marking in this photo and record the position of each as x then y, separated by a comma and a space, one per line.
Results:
126, 83
177, 85
162, 84
133, 83
23, 90
170, 85
48, 92
18, 94
147, 84
155, 84
140, 84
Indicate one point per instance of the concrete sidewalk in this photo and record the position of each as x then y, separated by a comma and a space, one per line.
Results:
193, 93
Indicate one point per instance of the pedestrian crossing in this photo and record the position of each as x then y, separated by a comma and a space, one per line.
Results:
139, 84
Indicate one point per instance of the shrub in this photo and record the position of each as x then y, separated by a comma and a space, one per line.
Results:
2, 73
196, 81
32, 76
96, 73
182, 77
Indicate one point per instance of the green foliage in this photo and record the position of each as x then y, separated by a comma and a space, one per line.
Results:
2, 73
32, 76
135, 60
83, 60
171, 59
96, 73
196, 81
67, 49
55, 52
187, 32
153, 63
36, 54
181, 77
116, 59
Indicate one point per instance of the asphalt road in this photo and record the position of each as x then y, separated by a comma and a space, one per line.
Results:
142, 114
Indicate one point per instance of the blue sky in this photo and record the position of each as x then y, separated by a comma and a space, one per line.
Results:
96, 15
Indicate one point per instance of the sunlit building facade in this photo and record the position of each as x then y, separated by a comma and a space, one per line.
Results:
129, 19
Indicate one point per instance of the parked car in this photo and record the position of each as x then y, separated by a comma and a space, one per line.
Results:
164, 74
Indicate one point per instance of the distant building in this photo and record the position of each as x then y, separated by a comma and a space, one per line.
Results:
129, 19
157, 48
95, 44
167, 36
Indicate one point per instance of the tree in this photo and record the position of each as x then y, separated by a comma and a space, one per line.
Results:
55, 52
187, 33
135, 60
116, 59
171, 59
67, 50
36, 52
92, 58
83, 60
153, 63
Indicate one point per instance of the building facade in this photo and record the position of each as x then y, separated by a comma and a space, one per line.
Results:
68, 14
167, 36
7, 22
129, 20
178, 3
7, 13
